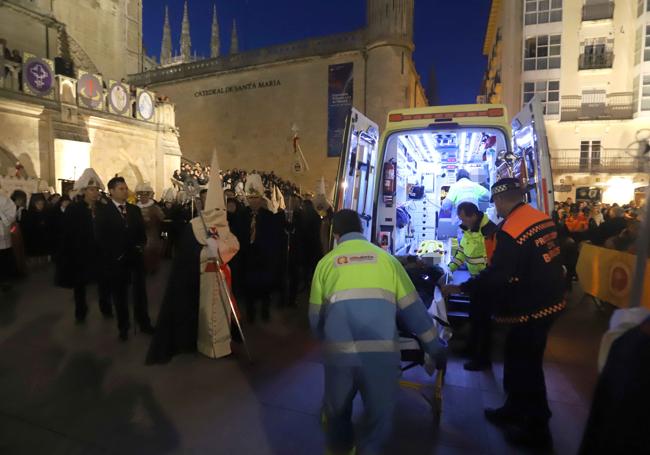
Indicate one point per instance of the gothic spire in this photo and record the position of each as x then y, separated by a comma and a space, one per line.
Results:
215, 42
186, 42
166, 47
234, 40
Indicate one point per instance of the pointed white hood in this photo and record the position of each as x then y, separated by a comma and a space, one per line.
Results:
215, 199
214, 216
321, 204
88, 178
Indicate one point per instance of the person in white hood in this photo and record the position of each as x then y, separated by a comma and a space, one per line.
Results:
194, 316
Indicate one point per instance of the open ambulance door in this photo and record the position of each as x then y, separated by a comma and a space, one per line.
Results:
530, 144
357, 174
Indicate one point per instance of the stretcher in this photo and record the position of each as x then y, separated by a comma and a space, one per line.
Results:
412, 356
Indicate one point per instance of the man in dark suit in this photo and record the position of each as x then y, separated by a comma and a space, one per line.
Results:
121, 235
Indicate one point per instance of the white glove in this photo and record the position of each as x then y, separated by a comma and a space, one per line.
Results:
228, 246
213, 247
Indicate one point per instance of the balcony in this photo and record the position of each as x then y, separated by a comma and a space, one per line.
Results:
599, 11
596, 61
614, 106
609, 161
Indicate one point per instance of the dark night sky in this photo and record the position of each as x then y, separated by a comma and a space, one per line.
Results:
448, 33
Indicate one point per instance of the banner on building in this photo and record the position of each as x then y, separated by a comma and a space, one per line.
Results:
119, 98
341, 87
608, 275
145, 105
90, 90
589, 193
38, 76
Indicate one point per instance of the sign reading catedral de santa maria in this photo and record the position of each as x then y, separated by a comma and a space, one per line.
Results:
238, 88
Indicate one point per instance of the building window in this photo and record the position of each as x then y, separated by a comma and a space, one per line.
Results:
646, 52
549, 93
639, 7
596, 53
542, 52
645, 93
637, 46
595, 10
589, 154
543, 11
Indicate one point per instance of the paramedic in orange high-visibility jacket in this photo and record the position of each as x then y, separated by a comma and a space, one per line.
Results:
358, 292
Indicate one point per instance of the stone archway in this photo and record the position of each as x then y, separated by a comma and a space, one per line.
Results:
8, 162
132, 175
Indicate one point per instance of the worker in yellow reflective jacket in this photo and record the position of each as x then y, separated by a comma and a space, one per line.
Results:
475, 250
357, 293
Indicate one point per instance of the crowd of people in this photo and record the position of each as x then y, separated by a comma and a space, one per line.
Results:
280, 246
610, 226
199, 174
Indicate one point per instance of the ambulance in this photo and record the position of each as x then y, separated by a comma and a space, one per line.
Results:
398, 181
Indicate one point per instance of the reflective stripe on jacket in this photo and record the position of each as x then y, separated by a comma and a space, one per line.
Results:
475, 248
357, 292
465, 190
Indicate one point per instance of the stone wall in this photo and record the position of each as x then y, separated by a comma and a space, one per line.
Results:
248, 115
35, 133
102, 34
109, 31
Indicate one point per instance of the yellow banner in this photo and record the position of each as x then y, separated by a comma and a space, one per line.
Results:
608, 275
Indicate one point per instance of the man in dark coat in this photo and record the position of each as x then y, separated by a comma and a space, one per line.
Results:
619, 421
264, 250
80, 261
526, 271
121, 235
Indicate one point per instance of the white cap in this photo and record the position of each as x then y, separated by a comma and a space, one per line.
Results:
89, 178
254, 186
144, 187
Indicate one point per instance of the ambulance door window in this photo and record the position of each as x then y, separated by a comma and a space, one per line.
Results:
530, 145
356, 181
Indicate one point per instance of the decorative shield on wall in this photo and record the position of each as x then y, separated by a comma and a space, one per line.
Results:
38, 76
90, 90
119, 99
145, 105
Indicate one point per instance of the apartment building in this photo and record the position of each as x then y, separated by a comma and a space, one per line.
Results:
589, 60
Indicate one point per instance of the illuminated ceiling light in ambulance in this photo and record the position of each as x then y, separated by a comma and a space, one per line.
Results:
424, 152
446, 139
415, 149
428, 139
462, 146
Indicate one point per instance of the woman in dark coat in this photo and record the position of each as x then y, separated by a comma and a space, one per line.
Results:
38, 238
80, 262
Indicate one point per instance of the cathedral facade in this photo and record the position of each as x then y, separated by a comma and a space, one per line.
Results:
249, 105
64, 102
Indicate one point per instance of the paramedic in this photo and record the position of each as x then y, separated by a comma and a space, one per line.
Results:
358, 291
475, 249
527, 265
464, 190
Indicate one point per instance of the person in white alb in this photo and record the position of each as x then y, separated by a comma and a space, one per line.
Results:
7, 219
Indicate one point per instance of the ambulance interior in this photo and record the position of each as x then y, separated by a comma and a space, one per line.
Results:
419, 166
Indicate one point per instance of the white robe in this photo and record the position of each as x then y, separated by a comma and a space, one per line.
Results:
213, 336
